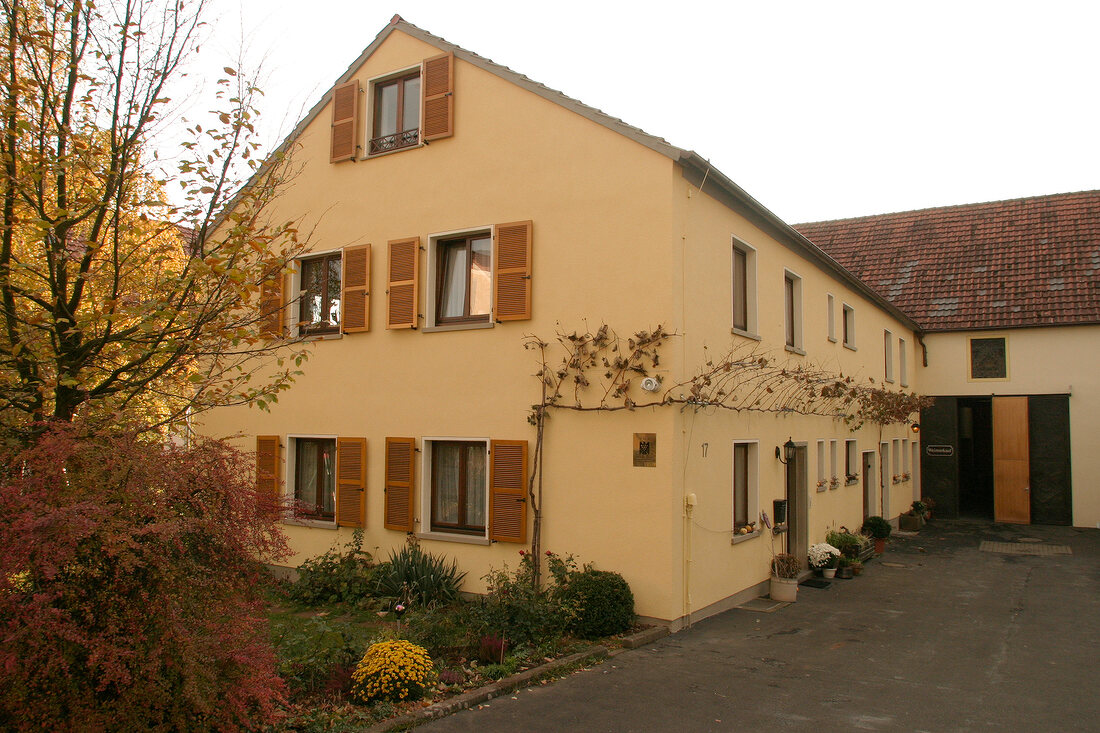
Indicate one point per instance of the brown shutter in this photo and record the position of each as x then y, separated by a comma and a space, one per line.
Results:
404, 283
355, 295
271, 307
345, 121
400, 474
438, 90
267, 465
351, 482
512, 272
508, 490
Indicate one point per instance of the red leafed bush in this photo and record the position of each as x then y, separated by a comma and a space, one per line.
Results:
129, 583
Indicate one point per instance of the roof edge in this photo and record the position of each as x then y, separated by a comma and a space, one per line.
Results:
783, 232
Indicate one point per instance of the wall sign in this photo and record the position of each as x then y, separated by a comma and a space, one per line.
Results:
939, 450
645, 450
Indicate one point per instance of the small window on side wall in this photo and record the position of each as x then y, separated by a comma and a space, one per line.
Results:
792, 306
744, 484
744, 289
988, 358
848, 325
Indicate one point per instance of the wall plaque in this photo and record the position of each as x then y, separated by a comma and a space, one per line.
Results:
939, 450
645, 449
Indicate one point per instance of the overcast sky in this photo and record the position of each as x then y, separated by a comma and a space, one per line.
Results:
820, 110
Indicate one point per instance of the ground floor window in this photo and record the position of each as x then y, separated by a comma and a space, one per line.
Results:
744, 484
459, 481
315, 478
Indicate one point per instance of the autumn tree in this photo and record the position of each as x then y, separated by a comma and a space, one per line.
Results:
107, 305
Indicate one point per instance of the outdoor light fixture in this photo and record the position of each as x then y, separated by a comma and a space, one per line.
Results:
915, 427
788, 452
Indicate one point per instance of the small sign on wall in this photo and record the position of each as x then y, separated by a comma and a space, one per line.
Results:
939, 450
645, 449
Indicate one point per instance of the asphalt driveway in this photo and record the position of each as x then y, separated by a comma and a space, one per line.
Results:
936, 635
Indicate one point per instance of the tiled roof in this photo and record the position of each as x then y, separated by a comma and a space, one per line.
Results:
1005, 264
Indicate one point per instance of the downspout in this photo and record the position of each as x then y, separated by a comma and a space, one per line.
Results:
923, 346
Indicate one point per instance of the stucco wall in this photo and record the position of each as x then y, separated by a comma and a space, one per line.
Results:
1053, 360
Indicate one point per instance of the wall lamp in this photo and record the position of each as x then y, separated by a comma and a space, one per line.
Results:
787, 452
915, 427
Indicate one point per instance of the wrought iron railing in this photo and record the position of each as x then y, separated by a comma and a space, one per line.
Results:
396, 141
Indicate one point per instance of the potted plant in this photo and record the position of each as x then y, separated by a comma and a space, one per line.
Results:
844, 567
784, 580
879, 529
845, 541
913, 519
824, 557
856, 566
929, 505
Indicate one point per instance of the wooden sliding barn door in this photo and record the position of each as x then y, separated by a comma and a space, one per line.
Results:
1011, 469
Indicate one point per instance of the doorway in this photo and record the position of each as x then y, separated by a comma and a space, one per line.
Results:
976, 457
798, 500
868, 482
884, 479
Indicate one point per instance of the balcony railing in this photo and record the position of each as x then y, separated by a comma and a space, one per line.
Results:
398, 140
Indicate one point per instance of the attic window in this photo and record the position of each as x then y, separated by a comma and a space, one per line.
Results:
396, 113
988, 358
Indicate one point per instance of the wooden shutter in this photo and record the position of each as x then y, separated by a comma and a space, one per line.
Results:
508, 490
351, 482
267, 465
345, 121
404, 283
271, 307
437, 87
512, 272
400, 475
355, 290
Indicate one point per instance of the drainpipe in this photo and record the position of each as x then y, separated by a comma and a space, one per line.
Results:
689, 510
923, 346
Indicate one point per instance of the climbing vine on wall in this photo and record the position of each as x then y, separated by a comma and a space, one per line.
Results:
600, 371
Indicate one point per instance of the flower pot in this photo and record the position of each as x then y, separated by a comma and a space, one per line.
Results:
909, 522
829, 572
880, 545
784, 589
844, 573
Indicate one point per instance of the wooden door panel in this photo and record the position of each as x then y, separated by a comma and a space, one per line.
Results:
1011, 470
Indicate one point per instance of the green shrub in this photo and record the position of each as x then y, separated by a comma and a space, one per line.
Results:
442, 630
336, 576
507, 668
515, 609
413, 576
877, 527
846, 542
392, 670
600, 603
316, 654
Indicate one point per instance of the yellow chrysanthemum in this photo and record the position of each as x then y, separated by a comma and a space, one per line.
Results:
394, 670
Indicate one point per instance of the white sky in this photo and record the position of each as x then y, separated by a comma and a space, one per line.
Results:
820, 110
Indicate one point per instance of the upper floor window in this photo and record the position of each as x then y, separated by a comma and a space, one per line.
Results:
396, 113
465, 279
830, 303
319, 295
903, 363
744, 289
988, 358
849, 326
792, 301
888, 355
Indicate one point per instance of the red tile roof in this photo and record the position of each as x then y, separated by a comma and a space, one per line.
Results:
1005, 264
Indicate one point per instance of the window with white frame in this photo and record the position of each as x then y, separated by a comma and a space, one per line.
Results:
903, 366
312, 465
744, 289
905, 456
851, 461
834, 478
456, 485
848, 326
745, 509
822, 481
317, 284
792, 307
460, 278
888, 355
895, 449
831, 305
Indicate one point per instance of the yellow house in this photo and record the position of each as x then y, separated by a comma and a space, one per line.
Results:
459, 208
1007, 295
